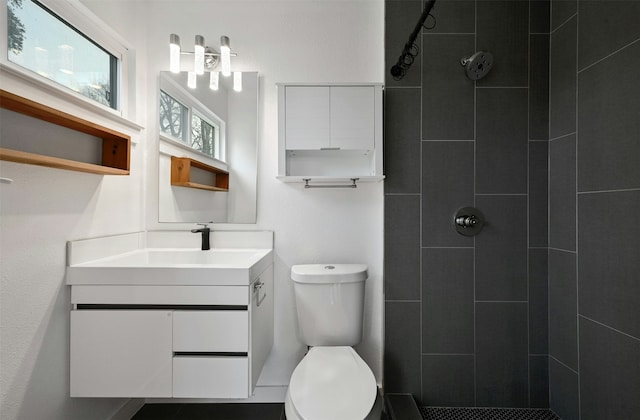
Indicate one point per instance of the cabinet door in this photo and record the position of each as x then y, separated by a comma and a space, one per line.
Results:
307, 124
121, 353
352, 117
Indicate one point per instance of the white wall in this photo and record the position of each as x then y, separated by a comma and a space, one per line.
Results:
286, 41
39, 212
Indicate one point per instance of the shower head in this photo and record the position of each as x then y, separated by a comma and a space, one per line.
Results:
478, 65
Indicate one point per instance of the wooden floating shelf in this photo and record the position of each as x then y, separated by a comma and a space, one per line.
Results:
116, 147
181, 174
53, 162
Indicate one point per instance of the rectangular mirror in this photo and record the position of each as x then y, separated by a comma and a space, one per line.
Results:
217, 129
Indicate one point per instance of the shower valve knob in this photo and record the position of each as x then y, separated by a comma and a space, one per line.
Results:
468, 221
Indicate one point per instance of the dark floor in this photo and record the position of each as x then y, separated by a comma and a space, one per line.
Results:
440, 413
210, 412
275, 411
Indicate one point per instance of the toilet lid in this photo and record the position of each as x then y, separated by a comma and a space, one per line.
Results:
332, 383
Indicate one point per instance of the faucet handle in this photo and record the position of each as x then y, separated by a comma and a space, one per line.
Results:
204, 225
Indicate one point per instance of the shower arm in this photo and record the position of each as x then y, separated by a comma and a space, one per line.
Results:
406, 57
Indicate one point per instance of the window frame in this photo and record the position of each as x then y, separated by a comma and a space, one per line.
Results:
194, 106
81, 19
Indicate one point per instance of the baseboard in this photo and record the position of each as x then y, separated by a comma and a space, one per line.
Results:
128, 410
402, 407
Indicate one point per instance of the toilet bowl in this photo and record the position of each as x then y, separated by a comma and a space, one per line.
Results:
332, 383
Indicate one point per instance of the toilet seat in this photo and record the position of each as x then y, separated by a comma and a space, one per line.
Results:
332, 383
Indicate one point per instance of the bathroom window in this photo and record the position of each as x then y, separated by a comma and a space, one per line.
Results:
44, 43
204, 136
186, 121
197, 131
173, 117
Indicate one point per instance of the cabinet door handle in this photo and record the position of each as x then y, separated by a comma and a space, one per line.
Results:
256, 289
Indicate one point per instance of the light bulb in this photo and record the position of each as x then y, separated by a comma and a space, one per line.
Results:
191, 80
199, 55
213, 80
225, 55
174, 53
237, 81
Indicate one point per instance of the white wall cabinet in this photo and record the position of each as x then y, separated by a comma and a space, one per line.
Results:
204, 351
330, 131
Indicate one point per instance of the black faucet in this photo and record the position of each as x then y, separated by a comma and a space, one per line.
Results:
205, 230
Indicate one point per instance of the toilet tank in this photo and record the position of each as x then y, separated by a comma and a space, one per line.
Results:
329, 303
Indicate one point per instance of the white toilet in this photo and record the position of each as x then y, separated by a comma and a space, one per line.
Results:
332, 382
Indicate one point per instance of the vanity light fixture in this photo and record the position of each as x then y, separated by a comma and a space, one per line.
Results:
225, 50
191, 80
205, 60
198, 63
174, 53
237, 81
214, 77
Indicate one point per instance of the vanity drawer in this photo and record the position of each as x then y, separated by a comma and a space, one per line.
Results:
210, 377
211, 331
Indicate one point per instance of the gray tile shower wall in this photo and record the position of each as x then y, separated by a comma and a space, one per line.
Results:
475, 333
553, 284
594, 179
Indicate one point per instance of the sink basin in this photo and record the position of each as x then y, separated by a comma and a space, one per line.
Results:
173, 266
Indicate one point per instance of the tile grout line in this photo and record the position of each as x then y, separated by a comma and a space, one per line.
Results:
609, 327
449, 140
549, 201
447, 354
609, 191
421, 211
562, 250
609, 55
503, 194
502, 87
500, 301
528, 206
563, 23
475, 169
447, 247
573, 133
576, 213
562, 363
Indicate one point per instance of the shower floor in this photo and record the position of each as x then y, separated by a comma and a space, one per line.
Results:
447, 413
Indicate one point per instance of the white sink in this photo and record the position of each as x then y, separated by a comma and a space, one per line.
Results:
173, 266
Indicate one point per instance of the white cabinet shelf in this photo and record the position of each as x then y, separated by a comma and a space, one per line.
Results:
330, 132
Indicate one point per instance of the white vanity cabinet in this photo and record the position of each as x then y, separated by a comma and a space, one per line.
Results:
330, 131
163, 341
